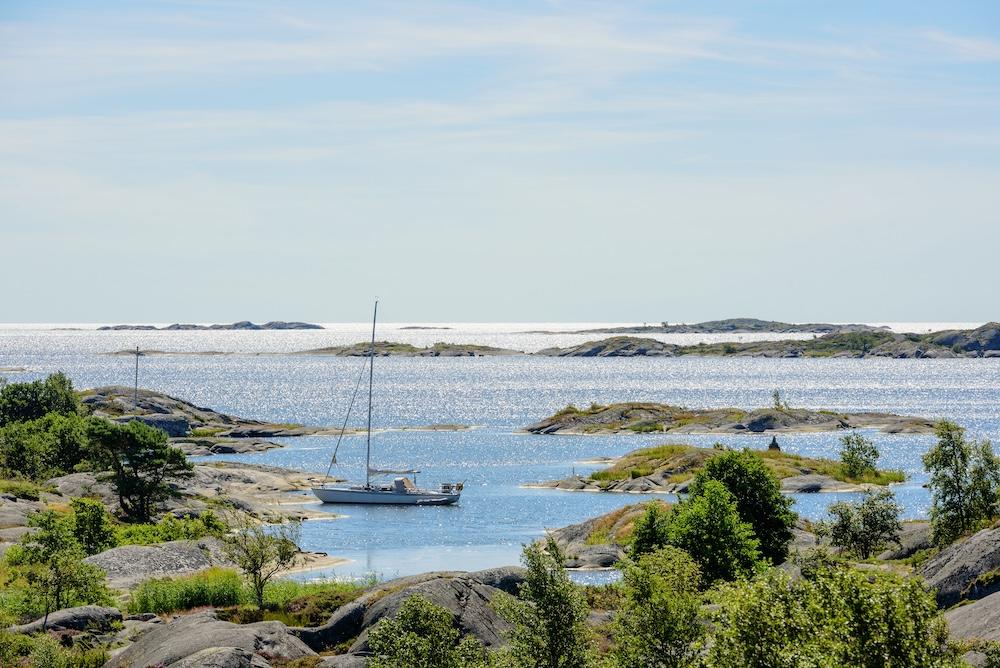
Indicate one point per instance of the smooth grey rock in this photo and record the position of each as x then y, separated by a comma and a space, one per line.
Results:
955, 570
466, 595
344, 661
979, 620
222, 657
914, 537
128, 565
169, 645
84, 618
174, 425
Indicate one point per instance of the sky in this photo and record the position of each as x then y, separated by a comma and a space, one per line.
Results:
211, 161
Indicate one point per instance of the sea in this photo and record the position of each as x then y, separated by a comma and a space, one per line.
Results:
498, 396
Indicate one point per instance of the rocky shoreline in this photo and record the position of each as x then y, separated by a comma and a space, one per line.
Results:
203, 431
669, 469
663, 418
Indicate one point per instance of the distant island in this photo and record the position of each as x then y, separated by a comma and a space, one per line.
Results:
241, 325
392, 349
644, 418
727, 326
424, 327
980, 342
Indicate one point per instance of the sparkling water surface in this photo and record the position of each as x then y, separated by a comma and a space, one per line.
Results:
500, 395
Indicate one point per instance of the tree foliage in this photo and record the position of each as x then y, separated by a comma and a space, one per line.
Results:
758, 498
52, 559
839, 617
549, 617
707, 525
657, 626
650, 530
92, 525
866, 527
261, 552
964, 478
43, 448
858, 455
21, 402
422, 635
140, 462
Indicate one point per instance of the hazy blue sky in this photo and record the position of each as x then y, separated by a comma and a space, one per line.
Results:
165, 161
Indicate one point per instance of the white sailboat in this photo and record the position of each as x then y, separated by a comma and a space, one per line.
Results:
403, 489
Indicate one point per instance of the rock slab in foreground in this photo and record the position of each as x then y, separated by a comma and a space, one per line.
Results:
183, 643
128, 565
965, 570
466, 595
84, 618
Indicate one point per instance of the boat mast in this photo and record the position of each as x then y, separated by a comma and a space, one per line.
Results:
135, 389
371, 380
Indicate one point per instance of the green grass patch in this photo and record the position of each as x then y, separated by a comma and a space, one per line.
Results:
207, 432
23, 489
214, 587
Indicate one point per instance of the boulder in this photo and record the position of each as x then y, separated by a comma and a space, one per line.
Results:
966, 569
914, 537
174, 425
128, 565
815, 482
183, 644
222, 657
466, 595
979, 620
84, 618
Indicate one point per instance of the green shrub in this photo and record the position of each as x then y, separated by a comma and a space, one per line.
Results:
170, 528
837, 617
758, 498
44, 651
21, 402
213, 587
422, 634
707, 525
22, 489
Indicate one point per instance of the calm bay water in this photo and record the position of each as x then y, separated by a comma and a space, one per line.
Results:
500, 395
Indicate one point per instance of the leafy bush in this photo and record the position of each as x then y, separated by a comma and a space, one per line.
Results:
964, 480
21, 402
43, 448
707, 525
549, 617
44, 651
839, 617
213, 587
657, 625
650, 531
93, 527
422, 634
758, 498
858, 455
865, 527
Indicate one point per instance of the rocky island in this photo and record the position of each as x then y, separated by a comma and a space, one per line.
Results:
663, 418
728, 326
983, 341
392, 349
243, 325
669, 469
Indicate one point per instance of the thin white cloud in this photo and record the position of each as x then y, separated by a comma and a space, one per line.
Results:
966, 48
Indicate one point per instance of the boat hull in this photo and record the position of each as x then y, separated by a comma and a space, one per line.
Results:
385, 497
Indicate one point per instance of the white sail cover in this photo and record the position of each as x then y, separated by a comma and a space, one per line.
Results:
372, 471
